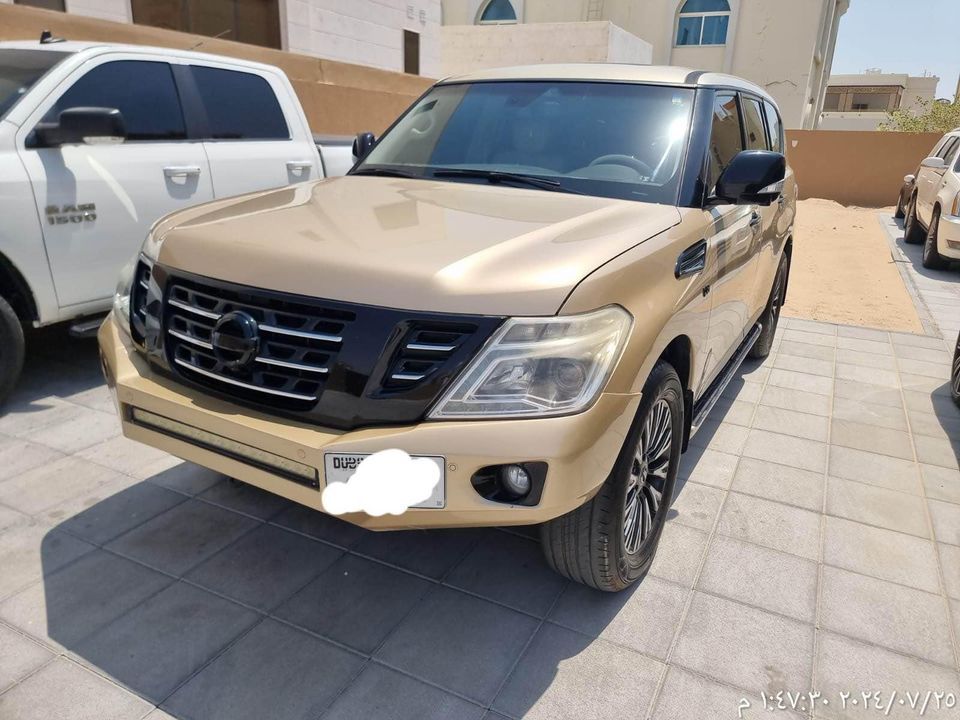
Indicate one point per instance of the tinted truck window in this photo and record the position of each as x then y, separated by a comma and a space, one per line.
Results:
775, 127
725, 140
239, 106
143, 92
753, 125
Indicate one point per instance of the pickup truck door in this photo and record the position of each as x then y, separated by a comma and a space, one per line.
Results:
256, 136
96, 202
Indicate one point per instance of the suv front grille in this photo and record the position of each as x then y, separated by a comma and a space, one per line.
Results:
343, 365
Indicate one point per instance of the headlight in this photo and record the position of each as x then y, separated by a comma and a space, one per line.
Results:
121, 297
955, 208
539, 367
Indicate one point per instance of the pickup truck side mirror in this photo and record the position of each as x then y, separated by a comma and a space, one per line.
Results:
753, 177
934, 163
83, 125
362, 144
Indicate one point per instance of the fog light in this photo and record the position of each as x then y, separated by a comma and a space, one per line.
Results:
515, 480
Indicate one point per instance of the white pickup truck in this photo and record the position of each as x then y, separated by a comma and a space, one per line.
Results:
99, 141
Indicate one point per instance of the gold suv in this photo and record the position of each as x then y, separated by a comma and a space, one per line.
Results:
540, 279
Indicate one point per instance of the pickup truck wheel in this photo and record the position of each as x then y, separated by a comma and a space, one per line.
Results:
609, 542
771, 315
11, 349
898, 213
912, 232
955, 375
932, 259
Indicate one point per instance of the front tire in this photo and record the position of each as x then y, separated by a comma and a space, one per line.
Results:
912, 232
610, 542
771, 315
898, 213
11, 349
955, 376
932, 259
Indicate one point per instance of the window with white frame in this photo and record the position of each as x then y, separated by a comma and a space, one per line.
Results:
497, 12
703, 22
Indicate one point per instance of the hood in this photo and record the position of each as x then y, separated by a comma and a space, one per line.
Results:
411, 244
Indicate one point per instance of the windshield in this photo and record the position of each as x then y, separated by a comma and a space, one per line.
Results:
610, 139
19, 70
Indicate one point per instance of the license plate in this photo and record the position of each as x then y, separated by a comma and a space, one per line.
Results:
339, 467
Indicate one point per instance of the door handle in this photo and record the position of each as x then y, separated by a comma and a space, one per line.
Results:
172, 171
755, 219
299, 164
781, 201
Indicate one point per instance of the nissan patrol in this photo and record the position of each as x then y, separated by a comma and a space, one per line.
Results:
540, 279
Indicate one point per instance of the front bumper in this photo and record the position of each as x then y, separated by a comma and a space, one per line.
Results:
579, 450
948, 237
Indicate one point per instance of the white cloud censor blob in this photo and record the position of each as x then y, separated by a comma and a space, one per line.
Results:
387, 482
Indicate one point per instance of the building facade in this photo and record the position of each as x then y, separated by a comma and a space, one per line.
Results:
785, 46
861, 102
398, 35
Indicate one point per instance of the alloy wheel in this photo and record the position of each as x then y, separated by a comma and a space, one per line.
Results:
956, 371
648, 477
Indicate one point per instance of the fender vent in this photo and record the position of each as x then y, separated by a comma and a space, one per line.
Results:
423, 350
692, 260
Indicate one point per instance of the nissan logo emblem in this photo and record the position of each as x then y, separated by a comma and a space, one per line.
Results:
236, 340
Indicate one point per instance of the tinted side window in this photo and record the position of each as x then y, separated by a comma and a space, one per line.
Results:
725, 140
143, 92
775, 127
947, 150
753, 125
239, 106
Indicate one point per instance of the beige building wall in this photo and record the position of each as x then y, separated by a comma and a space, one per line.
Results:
905, 92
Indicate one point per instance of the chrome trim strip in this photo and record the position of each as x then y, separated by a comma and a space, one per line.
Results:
291, 365
247, 386
431, 348
406, 376
190, 308
190, 339
301, 334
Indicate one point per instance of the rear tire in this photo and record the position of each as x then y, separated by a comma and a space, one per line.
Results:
898, 213
11, 349
912, 232
771, 314
955, 376
597, 544
932, 259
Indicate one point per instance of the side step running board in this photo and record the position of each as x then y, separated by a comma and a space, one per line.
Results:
705, 404
86, 327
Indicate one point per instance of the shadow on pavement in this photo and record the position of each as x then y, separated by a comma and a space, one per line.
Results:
914, 254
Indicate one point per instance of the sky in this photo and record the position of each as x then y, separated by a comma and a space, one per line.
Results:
901, 36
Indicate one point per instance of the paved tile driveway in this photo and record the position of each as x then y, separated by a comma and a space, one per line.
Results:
814, 543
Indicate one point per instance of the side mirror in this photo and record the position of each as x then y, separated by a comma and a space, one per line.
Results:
362, 144
90, 125
908, 179
934, 163
753, 177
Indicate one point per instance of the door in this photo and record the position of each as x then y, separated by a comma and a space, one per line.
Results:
732, 235
929, 180
97, 201
249, 142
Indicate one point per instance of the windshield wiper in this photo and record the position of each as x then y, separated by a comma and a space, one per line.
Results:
385, 172
498, 176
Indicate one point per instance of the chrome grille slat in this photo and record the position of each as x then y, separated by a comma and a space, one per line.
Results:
291, 365
239, 383
190, 308
426, 347
191, 339
302, 334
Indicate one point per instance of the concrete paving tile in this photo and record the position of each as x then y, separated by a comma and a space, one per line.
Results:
936, 426
686, 696
510, 570
643, 618
931, 355
797, 363
868, 360
871, 438
845, 666
38, 489
883, 416
20, 456
753, 372
73, 602
813, 326
20, 657
720, 436
696, 506
736, 412
314, 523
801, 381
739, 390
796, 400
264, 567
786, 450
917, 340
274, 666
800, 349
160, 643
868, 375
679, 553
790, 422
244, 498
356, 602
122, 454
883, 554
946, 521
762, 577
929, 402
707, 467
750, 648
427, 552
937, 451
470, 658
77, 433
557, 680
875, 469
867, 392
922, 384
96, 398
25, 421
111, 509
937, 370
182, 537
11, 518
950, 564
941, 483
31, 551
63, 689
862, 333
183, 477
868, 346
782, 483
876, 506
773, 525
809, 338
893, 616
385, 694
